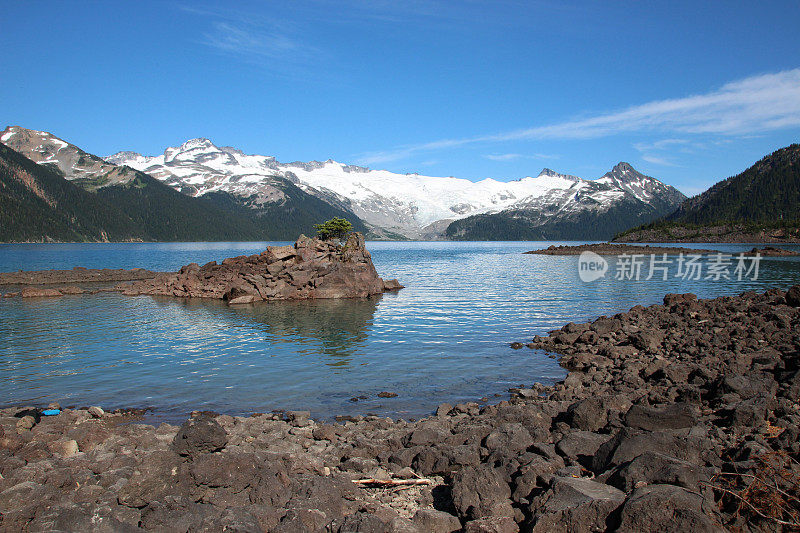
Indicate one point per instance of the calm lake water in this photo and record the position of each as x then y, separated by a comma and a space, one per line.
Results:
442, 339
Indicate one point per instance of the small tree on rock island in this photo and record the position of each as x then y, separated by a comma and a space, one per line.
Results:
335, 229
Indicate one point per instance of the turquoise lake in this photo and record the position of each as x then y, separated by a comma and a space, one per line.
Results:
444, 338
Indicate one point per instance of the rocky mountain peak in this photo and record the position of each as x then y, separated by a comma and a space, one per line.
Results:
625, 173
199, 143
550, 173
121, 158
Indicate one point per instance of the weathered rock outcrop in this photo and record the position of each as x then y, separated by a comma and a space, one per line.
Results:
311, 268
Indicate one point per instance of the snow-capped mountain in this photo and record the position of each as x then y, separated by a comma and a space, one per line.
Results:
411, 205
45, 148
79, 196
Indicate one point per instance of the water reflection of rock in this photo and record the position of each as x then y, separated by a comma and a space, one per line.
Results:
333, 327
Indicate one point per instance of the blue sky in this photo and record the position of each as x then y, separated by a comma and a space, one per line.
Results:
688, 92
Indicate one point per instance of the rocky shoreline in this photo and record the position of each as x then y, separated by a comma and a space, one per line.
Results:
674, 417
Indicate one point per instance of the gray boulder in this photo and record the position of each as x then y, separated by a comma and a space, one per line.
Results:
654, 468
666, 509
576, 505
673, 416
433, 521
481, 491
581, 444
198, 436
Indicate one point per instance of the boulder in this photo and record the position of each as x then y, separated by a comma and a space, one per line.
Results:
361, 522
673, 416
581, 444
198, 436
576, 505
793, 296
665, 508
509, 437
750, 413
675, 299
71, 289
433, 521
587, 414
480, 491
647, 340
26, 423
629, 443
655, 468
302, 520
156, 478
392, 285
63, 448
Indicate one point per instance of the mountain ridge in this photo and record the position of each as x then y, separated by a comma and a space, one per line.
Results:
410, 205
761, 203
152, 210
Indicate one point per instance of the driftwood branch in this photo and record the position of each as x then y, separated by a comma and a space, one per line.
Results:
373, 482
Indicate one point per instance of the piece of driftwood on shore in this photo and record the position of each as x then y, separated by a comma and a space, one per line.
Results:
374, 482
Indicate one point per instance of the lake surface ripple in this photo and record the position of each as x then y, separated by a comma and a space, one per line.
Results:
444, 338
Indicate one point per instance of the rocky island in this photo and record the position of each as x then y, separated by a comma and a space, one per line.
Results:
311, 268
674, 417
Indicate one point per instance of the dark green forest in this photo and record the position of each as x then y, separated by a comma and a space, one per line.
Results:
519, 225
766, 195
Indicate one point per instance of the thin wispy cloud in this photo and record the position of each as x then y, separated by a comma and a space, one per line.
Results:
653, 152
757, 104
663, 144
655, 160
250, 41
271, 44
513, 157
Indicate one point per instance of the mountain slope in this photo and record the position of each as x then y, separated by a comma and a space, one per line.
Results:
408, 205
37, 203
86, 170
104, 202
594, 210
156, 211
762, 200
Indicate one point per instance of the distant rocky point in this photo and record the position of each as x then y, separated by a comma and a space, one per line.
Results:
616, 249
311, 268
